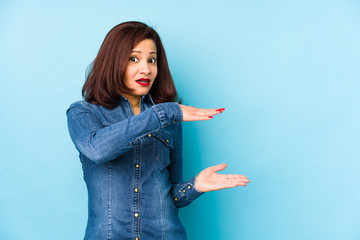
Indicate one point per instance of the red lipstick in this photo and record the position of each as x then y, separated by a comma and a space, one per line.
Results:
143, 81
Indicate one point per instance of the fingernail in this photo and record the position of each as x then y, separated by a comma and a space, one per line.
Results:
220, 109
210, 116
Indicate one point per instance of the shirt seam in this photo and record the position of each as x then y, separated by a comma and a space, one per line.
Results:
109, 200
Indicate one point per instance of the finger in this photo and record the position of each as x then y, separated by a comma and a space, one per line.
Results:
215, 113
211, 112
219, 167
240, 180
202, 114
191, 108
211, 109
229, 179
200, 109
231, 185
196, 114
237, 180
194, 117
236, 176
205, 109
200, 118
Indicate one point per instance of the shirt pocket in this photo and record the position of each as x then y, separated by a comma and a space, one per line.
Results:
163, 144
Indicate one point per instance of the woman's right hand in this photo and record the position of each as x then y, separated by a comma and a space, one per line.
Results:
198, 114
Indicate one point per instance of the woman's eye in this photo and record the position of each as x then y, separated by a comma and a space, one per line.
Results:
152, 60
133, 59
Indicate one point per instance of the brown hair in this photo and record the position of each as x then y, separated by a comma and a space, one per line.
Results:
105, 79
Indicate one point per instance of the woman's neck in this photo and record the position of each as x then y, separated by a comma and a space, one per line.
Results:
134, 102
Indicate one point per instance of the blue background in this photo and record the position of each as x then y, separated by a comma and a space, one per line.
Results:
287, 73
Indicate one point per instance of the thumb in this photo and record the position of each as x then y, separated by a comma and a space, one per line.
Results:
219, 167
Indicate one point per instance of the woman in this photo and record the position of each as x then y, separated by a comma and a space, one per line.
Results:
129, 135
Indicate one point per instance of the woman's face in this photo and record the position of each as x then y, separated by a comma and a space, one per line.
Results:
141, 69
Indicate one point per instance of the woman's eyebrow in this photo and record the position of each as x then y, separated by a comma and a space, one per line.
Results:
141, 52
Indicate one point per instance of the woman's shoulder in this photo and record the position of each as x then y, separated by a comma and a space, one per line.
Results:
78, 104
81, 104
84, 106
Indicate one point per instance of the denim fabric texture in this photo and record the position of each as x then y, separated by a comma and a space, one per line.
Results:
132, 167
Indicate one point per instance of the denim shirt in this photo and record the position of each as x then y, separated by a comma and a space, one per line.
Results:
132, 167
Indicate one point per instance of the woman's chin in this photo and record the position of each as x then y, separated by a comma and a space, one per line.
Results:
139, 94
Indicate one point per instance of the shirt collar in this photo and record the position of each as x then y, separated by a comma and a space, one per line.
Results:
146, 98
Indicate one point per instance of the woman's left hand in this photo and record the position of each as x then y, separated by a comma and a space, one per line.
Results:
209, 180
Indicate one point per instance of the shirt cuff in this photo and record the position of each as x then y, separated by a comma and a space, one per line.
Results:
168, 113
188, 191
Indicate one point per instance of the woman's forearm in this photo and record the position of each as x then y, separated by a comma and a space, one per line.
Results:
102, 144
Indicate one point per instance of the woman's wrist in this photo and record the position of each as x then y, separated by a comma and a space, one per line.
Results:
196, 177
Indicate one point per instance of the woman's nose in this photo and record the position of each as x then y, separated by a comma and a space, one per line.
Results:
145, 68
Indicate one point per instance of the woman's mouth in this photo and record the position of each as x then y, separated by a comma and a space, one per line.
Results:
143, 81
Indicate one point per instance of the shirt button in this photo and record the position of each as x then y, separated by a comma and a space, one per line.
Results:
149, 135
136, 189
136, 214
176, 199
137, 238
184, 191
189, 187
167, 140
137, 165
